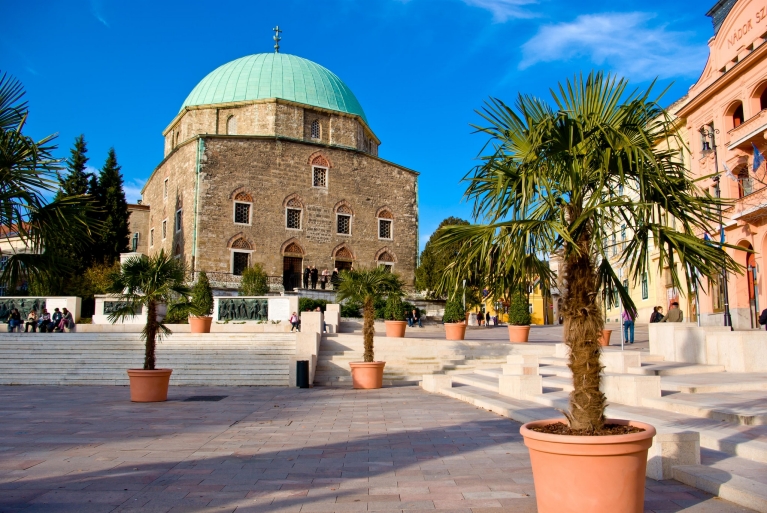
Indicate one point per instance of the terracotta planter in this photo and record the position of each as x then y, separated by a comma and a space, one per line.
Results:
519, 334
605, 340
395, 329
200, 324
367, 375
149, 386
455, 330
598, 474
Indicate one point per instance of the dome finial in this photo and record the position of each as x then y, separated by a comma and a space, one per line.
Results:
277, 39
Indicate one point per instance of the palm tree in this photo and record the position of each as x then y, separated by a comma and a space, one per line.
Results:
559, 179
28, 175
365, 286
144, 283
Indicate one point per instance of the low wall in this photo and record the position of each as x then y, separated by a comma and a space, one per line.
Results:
216, 327
25, 304
737, 351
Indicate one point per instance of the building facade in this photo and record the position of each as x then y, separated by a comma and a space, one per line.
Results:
271, 161
726, 121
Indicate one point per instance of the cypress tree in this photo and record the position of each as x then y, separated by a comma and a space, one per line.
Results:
110, 197
76, 181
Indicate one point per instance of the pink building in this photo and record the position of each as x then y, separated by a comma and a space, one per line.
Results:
726, 116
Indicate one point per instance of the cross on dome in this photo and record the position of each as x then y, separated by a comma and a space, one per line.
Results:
277, 38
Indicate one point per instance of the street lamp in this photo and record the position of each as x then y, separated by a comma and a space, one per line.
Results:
706, 133
464, 295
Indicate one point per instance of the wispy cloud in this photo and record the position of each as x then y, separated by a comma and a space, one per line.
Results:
97, 9
504, 9
132, 189
625, 42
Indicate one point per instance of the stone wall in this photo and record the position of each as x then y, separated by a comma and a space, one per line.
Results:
138, 222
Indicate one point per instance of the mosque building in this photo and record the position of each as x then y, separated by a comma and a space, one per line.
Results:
271, 160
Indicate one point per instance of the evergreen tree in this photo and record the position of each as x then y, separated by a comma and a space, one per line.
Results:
434, 260
110, 198
76, 181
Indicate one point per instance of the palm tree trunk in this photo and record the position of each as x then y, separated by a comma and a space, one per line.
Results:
368, 328
583, 325
150, 333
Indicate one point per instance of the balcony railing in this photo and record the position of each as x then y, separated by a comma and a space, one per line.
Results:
741, 136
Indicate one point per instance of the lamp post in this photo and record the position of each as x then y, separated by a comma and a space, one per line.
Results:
711, 132
464, 295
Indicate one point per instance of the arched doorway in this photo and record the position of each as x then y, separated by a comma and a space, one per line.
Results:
292, 265
343, 259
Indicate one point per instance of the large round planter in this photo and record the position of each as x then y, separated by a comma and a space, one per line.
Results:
519, 334
200, 324
149, 386
605, 340
367, 375
455, 330
598, 474
395, 329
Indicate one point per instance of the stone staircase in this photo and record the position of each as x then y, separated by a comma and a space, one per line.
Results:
408, 359
102, 358
727, 410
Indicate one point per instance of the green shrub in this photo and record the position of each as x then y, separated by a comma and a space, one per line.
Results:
309, 304
395, 308
351, 309
519, 310
454, 311
178, 315
202, 296
254, 281
379, 304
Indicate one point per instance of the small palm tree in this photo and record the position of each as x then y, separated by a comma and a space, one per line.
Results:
558, 180
365, 286
145, 283
27, 179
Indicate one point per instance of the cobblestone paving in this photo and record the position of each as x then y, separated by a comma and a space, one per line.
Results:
88, 449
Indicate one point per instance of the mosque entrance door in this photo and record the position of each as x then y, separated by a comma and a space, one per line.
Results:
343, 265
291, 272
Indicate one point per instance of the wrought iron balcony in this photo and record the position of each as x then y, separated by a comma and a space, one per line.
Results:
751, 130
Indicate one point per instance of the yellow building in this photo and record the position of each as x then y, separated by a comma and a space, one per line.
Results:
541, 308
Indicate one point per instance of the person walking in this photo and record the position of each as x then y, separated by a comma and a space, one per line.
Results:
675, 314
315, 276
487, 319
307, 274
628, 326
295, 323
656, 316
417, 317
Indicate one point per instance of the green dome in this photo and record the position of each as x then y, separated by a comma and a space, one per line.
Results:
275, 75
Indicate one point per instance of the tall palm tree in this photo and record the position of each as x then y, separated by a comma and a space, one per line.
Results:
365, 286
559, 179
143, 284
27, 177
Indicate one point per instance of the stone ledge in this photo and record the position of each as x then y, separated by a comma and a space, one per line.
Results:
740, 490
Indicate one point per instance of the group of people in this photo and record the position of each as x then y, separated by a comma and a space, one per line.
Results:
312, 276
44, 322
487, 320
675, 314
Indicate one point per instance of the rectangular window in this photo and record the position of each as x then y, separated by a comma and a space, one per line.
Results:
293, 219
386, 267
165, 189
178, 220
615, 245
151, 237
344, 224
645, 287
623, 237
3, 261
384, 229
242, 213
164, 229
319, 177
239, 262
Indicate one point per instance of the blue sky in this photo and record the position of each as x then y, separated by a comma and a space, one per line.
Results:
119, 71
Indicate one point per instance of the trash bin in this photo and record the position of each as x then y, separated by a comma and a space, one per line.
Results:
302, 373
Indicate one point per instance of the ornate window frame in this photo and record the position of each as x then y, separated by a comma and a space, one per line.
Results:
293, 202
242, 198
388, 263
315, 128
342, 208
235, 247
384, 215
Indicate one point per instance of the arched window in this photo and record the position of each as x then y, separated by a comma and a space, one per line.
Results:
241, 250
344, 219
385, 260
737, 116
385, 224
315, 129
231, 125
343, 258
293, 213
242, 208
763, 99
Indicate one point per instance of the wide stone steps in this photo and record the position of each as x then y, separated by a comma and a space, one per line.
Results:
674, 369
747, 408
102, 358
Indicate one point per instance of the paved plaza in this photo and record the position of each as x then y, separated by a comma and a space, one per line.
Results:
88, 449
